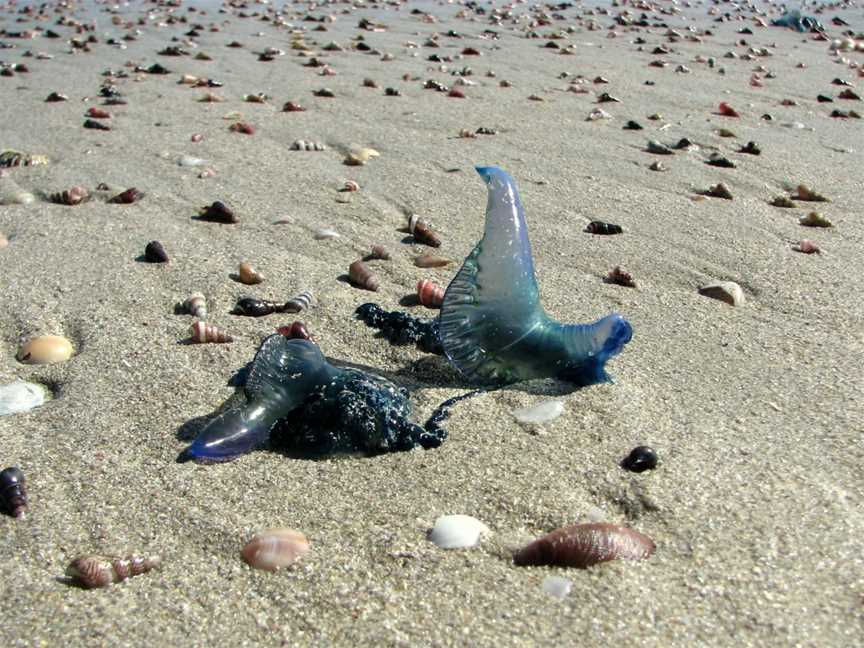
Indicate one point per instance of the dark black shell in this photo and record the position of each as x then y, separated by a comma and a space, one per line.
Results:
599, 227
640, 459
155, 253
254, 307
13, 493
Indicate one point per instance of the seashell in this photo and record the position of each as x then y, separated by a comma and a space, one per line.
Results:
848, 93
196, 305
242, 127
188, 79
607, 98
55, 97
324, 92
295, 331
456, 93
379, 252
782, 201
640, 459
127, 197
751, 148
431, 261
95, 125
155, 252
541, 413
598, 114
276, 548
557, 586
392, 92
807, 247
808, 195
299, 303
45, 349
719, 190
13, 491
584, 545
19, 396
423, 232
726, 291
618, 275
203, 333
727, 111
290, 106
207, 173
657, 165
815, 219
98, 113
218, 212
350, 185
12, 194
211, 97
96, 571
655, 117
190, 161
685, 144
259, 98
248, 275
71, 197
325, 233
303, 145
457, 531
430, 294
362, 277
11, 158
256, 307
361, 156
607, 229
657, 148
720, 161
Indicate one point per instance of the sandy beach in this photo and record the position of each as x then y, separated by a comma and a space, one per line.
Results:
756, 411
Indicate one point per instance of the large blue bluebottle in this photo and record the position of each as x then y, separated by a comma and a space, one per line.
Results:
492, 326
293, 395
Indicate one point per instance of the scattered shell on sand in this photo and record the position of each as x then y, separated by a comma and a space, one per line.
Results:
457, 531
544, 412
11, 158
325, 233
299, 302
274, 549
196, 305
127, 197
620, 276
45, 349
218, 212
782, 201
640, 459
96, 571
203, 333
379, 252
190, 161
73, 196
808, 195
726, 291
242, 127
362, 277
815, 219
20, 396
806, 246
602, 228
248, 274
719, 190
423, 232
13, 491
295, 331
154, 252
584, 545
430, 294
303, 145
350, 185
361, 156
431, 261
12, 194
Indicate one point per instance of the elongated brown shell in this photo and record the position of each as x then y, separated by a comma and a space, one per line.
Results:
249, 275
422, 232
620, 276
96, 571
361, 276
276, 548
73, 196
203, 333
127, 197
583, 545
431, 261
430, 294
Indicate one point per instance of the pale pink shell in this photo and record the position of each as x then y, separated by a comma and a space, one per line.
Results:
275, 548
583, 545
807, 247
430, 294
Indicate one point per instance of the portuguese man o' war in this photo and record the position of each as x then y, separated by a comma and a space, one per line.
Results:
492, 326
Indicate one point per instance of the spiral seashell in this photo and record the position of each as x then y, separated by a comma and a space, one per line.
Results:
423, 232
218, 212
620, 276
242, 127
719, 190
295, 331
303, 145
379, 252
196, 305
299, 303
583, 545
11, 158
155, 253
95, 571
362, 277
274, 549
249, 275
431, 261
606, 229
127, 197
727, 111
13, 491
350, 185
815, 219
259, 98
98, 113
782, 201
430, 294
806, 194
203, 333
73, 196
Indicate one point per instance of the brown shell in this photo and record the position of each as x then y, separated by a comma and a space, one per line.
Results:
295, 331
127, 197
431, 261
422, 232
430, 294
583, 545
806, 194
242, 127
362, 277
96, 571
45, 349
203, 333
276, 548
620, 276
379, 252
249, 275
73, 196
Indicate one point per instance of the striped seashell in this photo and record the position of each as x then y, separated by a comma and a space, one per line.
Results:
203, 333
620, 276
73, 196
430, 294
300, 302
196, 305
249, 275
15, 158
303, 145
127, 197
431, 261
350, 185
13, 491
362, 277
379, 252
155, 253
295, 331
607, 229
95, 571
274, 549
583, 545
422, 231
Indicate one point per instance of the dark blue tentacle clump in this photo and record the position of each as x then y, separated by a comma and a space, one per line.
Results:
402, 328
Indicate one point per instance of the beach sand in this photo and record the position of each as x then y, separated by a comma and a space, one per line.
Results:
755, 411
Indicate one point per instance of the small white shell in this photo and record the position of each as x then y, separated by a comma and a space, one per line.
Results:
189, 161
457, 531
325, 233
275, 548
20, 396
541, 413
557, 586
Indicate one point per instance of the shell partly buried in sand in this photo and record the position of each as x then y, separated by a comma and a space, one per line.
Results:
457, 531
46, 349
13, 491
248, 274
20, 396
584, 545
274, 549
96, 571
361, 156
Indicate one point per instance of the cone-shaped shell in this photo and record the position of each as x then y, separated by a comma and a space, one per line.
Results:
274, 549
196, 305
95, 571
208, 333
430, 294
361, 276
583, 545
422, 232
46, 349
